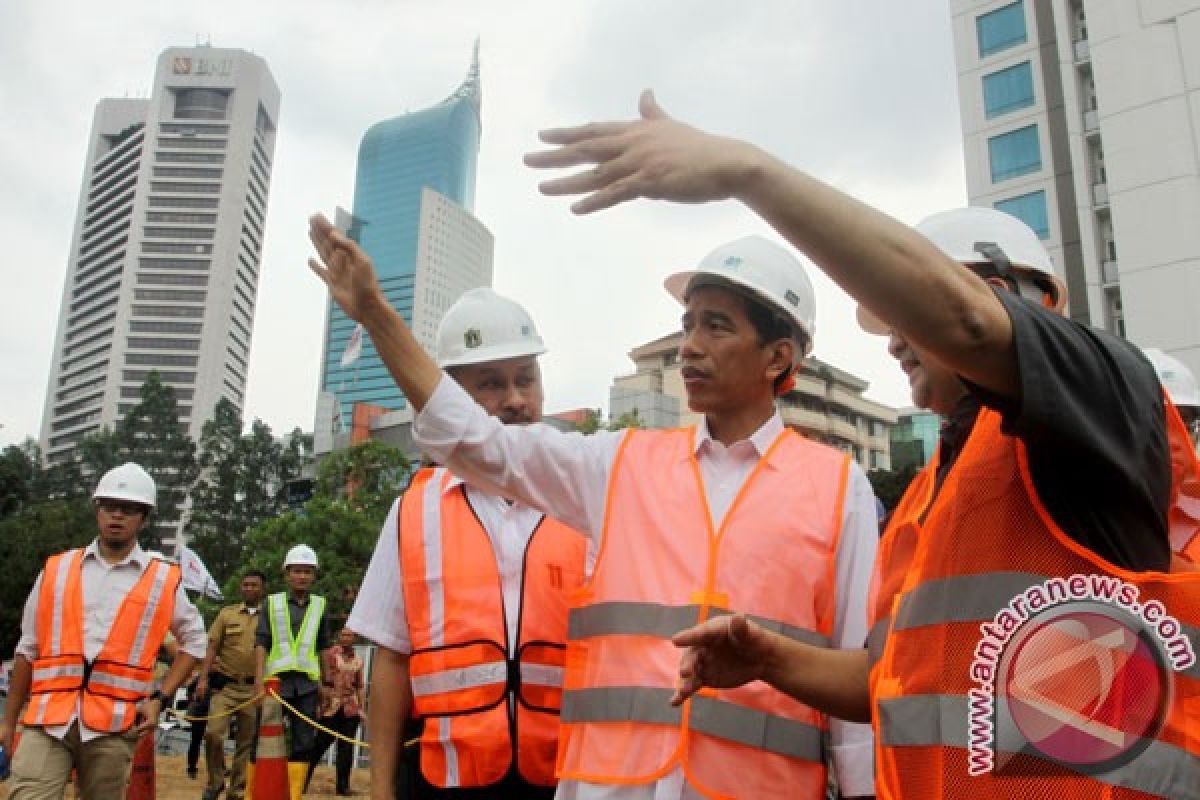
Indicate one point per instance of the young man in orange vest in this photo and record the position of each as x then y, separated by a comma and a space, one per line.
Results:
738, 514
93, 625
467, 595
1035, 635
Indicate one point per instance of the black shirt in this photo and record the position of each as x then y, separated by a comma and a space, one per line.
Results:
1091, 415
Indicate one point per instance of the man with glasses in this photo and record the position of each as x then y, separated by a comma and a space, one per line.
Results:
93, 625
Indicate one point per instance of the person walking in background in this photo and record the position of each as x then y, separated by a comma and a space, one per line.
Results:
92, 628
342, 709
290, 644
226, 680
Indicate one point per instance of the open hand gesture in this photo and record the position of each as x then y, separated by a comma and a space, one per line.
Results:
721, 653
344, 268
654, 157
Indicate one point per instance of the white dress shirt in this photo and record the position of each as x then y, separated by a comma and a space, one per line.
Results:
104, 587
567, 475
378, 612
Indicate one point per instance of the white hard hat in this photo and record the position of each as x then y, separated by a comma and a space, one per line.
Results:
1175, 377
977, 235
127, 482
484, 326
300, 556
771, 272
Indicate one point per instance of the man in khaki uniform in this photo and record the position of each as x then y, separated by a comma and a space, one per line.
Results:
229, 671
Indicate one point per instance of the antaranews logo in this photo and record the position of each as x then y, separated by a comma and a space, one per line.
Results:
1075, 670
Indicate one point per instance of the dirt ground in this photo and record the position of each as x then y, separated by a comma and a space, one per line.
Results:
172, 782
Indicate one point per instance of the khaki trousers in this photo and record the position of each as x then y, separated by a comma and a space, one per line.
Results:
231, 696
43, 765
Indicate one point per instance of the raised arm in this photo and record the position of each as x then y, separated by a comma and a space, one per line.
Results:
885, 265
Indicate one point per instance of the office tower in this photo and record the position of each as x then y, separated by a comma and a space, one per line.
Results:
413, 197
165, 256
1079, 117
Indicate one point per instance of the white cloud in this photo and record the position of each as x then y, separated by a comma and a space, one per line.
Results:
861, 94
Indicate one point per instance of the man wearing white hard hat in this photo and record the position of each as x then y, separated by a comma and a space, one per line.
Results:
493, 606
1055, 462
290, 645
738, 514
93, 625
1180, 385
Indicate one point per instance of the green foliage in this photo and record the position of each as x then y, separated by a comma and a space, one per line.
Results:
240, 485
27, 538
367, 476
24, 481
355, 489
591, 423
890, 485
629, 419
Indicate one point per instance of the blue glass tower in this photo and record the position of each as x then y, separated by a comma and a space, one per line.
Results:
437, 148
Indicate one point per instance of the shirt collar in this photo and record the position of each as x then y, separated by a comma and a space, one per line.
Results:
454, 482
136, 556
245, 609
761, 440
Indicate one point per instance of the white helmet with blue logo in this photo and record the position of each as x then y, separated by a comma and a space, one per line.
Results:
772, 273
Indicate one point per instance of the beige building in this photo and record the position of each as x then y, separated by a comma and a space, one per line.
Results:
827, 404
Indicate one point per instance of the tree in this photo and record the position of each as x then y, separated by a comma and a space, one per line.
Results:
369, 476
355, 488
629, 419
890, 485
592, 422
241, 482
27, 538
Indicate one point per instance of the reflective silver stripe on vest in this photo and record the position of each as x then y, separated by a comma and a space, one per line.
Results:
143, 629
962, 598
1162, 770
541, 674
431, 538
66, 564
877, 640
452, 680
119, 682
120, 710
51, 673
281, 623
729, 721
306, 641
664, 621
39, 716
978, 598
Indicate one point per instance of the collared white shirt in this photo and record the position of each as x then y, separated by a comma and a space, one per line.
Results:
104, 587
378, 612
567, 476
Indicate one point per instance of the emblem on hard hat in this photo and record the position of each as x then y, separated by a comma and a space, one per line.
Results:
525, 330
792, 297
733, 261
472, 338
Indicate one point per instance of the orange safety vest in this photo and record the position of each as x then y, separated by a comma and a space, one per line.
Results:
108, 688
460, 671
1184, 517
939, 609
664, 567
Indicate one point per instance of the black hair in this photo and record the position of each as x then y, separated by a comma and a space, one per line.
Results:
256, 573
770, 325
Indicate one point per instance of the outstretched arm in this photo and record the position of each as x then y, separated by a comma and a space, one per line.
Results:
886, 266
350, 276
730, 651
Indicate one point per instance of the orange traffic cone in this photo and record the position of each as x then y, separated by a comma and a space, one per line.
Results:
270, 763
141, 776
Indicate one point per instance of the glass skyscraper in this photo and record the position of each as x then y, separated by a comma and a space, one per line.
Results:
414, 191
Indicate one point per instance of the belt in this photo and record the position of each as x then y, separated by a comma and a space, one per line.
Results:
248, 680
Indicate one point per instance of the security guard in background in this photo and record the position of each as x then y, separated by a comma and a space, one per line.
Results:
93, 625
228, 673
293, 635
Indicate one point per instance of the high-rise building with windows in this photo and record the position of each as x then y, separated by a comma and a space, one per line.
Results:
1079, 117
165, 256
414, 195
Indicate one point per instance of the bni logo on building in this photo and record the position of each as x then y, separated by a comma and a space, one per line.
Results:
1077, 671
